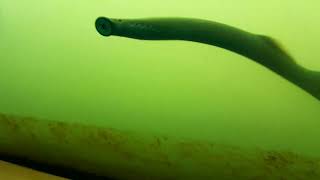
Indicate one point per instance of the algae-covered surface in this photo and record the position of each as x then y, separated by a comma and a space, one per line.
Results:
149, 109
126, 155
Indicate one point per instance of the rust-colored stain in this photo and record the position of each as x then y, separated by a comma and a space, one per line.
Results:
158, 153
59, 130
278, 159
110, 137
15, 125
9, 122
190, 149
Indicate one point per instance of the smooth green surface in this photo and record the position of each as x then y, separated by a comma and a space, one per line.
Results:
54, 65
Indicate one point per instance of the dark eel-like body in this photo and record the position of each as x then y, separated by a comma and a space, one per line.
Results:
261, 49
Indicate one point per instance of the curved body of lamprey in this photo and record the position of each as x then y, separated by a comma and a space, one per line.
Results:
261, 49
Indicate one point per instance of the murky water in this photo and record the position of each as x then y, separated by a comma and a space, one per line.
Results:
54, 65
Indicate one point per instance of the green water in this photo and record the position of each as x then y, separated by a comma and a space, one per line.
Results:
54, 65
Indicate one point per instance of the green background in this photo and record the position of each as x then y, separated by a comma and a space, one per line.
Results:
54, 65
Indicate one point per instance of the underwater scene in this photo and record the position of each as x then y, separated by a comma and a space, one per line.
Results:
162, 90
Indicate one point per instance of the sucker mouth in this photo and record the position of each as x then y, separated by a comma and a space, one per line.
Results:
104, 26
